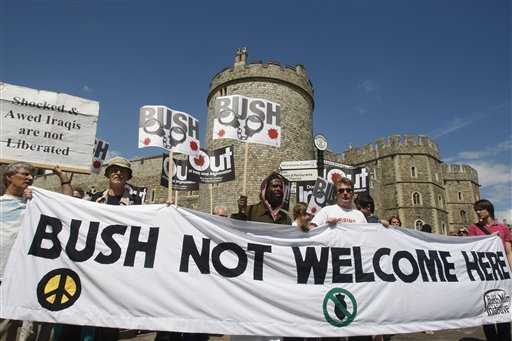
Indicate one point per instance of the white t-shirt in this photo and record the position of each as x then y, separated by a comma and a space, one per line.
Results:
11, 209
346, 216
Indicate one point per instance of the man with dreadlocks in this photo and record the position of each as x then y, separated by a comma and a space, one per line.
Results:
269, 209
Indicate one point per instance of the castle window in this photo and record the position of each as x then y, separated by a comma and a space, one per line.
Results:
440, 199
413, 171
223, 91
444, 228
436, 176
152, 195
463, 217
416, 198
418, 224
460, 196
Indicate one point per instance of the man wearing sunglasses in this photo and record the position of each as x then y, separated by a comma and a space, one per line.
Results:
341, 212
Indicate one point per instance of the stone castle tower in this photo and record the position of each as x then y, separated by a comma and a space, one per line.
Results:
408, 179
290, 87
407, 175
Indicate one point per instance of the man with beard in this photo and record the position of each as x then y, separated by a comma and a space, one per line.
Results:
269, 209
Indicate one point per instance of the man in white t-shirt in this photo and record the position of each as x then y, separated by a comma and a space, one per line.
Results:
17, 178
341, 212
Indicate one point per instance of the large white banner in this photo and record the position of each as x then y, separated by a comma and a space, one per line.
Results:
164, 127
247, 119
47, 128
160, 268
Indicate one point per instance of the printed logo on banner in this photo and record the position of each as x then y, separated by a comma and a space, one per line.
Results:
163, 127
339, 307
247, 119
497, 302
99, 155
59, 289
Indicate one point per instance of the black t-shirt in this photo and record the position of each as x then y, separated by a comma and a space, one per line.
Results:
113, 200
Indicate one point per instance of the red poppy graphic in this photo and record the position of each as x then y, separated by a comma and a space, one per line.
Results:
273, 133
221, 132
193, 145
335, 177
199, 160
147, 141
96, 164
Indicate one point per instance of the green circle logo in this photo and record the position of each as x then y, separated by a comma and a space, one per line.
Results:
340, 307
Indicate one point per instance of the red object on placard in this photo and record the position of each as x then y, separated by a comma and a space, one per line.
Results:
273, 133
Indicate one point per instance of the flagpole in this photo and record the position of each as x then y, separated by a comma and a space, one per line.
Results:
211, 198
246, 157
171, 165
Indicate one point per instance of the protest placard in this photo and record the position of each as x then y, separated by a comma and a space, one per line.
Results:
163, 127
252, 120
359, 175
324, 193
155, 267
99, 155
182, 178
47, 128
217, 167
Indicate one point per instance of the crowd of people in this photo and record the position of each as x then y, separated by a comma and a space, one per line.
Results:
18, 178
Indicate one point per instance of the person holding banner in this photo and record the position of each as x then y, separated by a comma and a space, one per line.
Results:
487, 225
17, 178
118, 172
301, 217
269, 209
342, 211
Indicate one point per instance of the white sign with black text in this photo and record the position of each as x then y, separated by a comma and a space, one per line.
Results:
246, 119
47, 128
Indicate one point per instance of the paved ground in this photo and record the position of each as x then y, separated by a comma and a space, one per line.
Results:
467, 334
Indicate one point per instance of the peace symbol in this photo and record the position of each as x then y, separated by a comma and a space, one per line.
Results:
58, 289
344, 313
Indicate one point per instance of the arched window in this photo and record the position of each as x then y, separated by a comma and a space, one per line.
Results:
416, 198
463, 217
418, 224
413, 171
460, 196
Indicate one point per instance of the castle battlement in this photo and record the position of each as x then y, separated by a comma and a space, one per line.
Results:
459, 172
272, 70
392, 145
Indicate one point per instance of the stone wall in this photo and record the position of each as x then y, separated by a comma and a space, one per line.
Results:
288, 86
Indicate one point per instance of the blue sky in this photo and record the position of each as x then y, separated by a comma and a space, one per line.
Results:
440, 68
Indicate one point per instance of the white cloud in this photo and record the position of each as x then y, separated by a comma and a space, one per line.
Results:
505, 214
86, 88
455, 124
368, 86
492, 174
458, 122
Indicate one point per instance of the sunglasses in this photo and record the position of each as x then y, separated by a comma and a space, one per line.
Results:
341, 190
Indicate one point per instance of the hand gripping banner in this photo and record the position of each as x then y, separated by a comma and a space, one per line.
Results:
156, 267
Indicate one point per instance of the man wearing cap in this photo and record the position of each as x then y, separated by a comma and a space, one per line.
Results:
118, 172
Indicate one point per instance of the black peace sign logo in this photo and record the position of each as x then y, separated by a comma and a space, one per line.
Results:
59, 289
